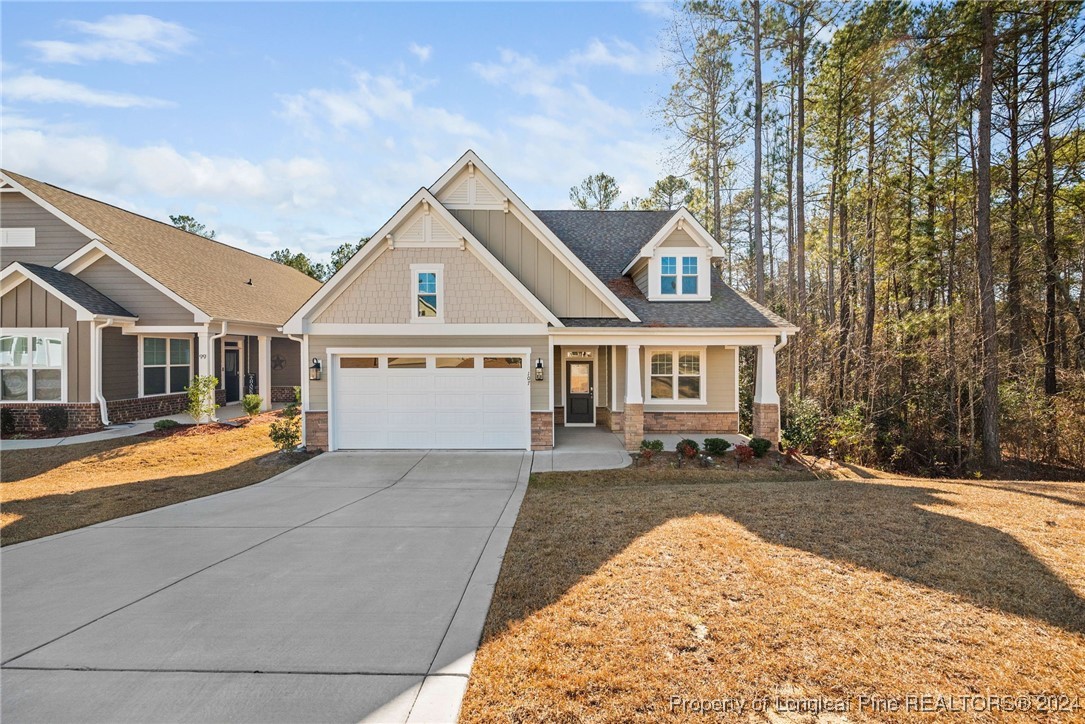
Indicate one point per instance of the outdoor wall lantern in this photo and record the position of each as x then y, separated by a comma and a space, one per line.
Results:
314, 371
538, 369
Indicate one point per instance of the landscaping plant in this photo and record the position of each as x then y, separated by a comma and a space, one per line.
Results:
804, 424
201, 398
743, 454
648, 449
687, 449
252, 404
285, 433
716, 445
7, 421
760, 446
166, 424
55, 419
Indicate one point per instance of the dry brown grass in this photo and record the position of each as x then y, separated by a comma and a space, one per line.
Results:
620, 590
51, 490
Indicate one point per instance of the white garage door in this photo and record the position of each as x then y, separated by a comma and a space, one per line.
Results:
431, 400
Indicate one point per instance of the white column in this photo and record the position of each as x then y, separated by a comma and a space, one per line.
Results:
263, 354
765, 384
633, 381
203, 355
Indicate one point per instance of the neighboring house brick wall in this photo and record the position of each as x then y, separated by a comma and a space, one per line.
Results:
54, 239
316, 430
122, 286
384, 293
542, 431
31, 305
281, 393
81, 415
530, 261
140, 408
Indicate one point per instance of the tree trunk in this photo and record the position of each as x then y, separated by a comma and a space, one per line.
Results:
992, 454
758, 250
1051, 386
1013, 286
800, 188
868, 323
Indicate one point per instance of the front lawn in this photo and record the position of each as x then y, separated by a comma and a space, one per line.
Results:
634, 595
51, 490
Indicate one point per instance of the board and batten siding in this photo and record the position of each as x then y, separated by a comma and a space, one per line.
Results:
137, 296
120, 365
54, 239
640, 276
722, 395
31, 305
533, 263
291, 372
539, 346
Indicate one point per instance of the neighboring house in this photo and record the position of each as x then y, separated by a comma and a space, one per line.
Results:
470, 321
111, 314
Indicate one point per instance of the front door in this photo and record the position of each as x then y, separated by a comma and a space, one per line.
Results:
232, 377
579, 394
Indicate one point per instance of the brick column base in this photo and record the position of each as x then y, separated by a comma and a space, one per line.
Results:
316, 430
616, 421
766, 421
633, 425
542, 431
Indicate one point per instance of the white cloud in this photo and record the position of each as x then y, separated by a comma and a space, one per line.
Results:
422, 52
620, 54
123, 38
34, 88
656, 8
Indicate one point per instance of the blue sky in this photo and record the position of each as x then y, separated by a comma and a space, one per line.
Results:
305, 125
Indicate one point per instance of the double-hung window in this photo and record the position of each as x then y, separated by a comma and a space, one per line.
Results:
675, 279
32, 367
167, 365
427, 293
676, 375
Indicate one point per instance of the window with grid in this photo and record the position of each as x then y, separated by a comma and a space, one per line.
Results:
32, 368
167, 365
678, 280
427, 294
675, 375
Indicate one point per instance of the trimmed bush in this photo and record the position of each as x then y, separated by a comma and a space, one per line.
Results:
7, 421
743, 454
648, 449
760, 446
285, 433
251, 404
55, 419
166, 424
687, 448
716, 445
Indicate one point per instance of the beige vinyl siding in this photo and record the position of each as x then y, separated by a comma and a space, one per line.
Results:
290, 351
640, 275
385, 292
120, 365
318, 346
619, 372
602, 392
137, 296
30, 305
719, 384
529, 260
679, 238
53, 239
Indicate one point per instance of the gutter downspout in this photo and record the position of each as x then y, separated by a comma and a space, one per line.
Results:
304, 381
96, 368
211, 355
783, 342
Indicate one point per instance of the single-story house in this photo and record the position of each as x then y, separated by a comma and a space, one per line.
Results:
471, 321
111, 314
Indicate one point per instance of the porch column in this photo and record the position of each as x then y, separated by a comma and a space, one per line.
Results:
633, 419
203, 353
766, 400
263, 373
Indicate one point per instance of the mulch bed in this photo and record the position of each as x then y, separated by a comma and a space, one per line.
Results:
47, 435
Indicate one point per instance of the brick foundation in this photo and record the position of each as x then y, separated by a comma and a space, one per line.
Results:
633, 425
615, 420
316, 430
282, 394
671, 422
602, 416
559, 415
542, 431
81, 415
140, 408
766, 421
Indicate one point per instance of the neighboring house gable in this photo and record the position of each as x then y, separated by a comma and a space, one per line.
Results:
52, 238
118, 283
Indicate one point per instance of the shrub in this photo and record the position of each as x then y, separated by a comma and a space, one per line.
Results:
252, 404
760, 446
166, 424
743, 454
804, 424
7, 421
285, 433
688, 448
201, 398
55, 419
716, 445
648, 449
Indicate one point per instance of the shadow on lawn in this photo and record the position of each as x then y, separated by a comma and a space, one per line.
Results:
877, 526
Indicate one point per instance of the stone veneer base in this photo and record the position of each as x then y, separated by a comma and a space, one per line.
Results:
542, 431
316, 430
766, 421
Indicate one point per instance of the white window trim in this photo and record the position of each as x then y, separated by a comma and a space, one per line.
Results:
439, 270
55, 332
139, 365
646, 368
704, 275
17, 237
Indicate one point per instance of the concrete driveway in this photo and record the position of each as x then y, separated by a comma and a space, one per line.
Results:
354, 586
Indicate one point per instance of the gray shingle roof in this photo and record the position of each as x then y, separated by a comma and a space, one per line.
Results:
606, 241
78, 291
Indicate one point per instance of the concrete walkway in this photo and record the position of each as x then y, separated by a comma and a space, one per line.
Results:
583, 448
352, 587
126, 429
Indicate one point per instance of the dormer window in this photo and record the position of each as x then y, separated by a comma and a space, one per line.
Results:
670, 281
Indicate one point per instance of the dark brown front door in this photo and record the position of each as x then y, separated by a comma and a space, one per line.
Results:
232, 378
579, 395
